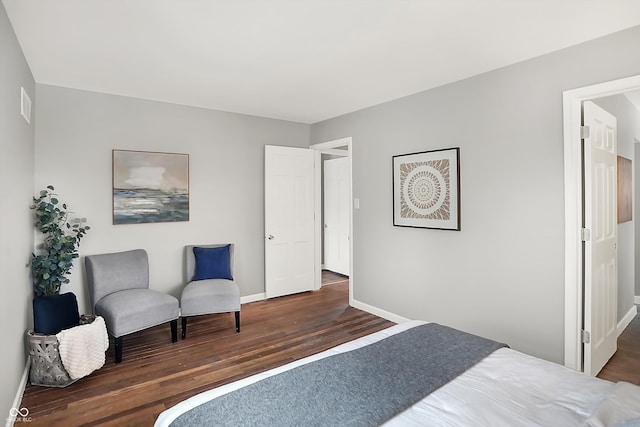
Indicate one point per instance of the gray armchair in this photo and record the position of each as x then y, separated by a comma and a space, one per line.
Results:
211, 287
119, 291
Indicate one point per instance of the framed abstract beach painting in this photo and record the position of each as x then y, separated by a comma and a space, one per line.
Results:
426, 189
150, 187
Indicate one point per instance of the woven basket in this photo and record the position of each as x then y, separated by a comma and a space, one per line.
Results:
46, 365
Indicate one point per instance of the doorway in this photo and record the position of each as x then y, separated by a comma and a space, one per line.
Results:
338, 148
293, 216
574, 252
335, 214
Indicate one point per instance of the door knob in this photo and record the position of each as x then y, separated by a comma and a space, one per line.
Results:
270, 237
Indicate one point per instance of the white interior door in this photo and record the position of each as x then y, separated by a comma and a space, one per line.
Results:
289, 220
336, 215
601, 261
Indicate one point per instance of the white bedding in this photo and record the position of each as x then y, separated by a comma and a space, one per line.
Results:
507, 388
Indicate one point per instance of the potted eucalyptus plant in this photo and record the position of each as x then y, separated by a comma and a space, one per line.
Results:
52, 265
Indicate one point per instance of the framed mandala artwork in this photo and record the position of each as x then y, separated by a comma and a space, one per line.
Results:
426, 189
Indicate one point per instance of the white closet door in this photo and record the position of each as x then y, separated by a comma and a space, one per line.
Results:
336, 215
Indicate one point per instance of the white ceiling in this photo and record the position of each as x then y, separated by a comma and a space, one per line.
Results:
299, 60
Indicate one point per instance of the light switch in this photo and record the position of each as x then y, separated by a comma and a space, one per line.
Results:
356, 203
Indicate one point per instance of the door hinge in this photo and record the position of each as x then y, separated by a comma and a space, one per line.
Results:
585, 234
584, 132
586, 337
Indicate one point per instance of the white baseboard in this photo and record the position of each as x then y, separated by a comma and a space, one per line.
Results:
354, 303
251, 298
18, 399
636, 299
631, 314
377, 311
622, 324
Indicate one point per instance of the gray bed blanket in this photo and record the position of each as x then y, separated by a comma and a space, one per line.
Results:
363, 387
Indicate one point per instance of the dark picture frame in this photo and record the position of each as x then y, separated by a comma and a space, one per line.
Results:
426, 189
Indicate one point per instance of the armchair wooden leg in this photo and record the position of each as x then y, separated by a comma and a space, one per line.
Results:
237, 321
118, 349
174, 330
184, 327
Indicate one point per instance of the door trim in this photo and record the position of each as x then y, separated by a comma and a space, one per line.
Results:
573, 309
330, 147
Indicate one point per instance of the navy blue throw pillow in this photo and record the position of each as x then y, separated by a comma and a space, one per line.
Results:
53, 313
213, 263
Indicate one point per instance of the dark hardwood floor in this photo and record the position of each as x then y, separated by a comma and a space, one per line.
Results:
156, 374
625, 364
331, 278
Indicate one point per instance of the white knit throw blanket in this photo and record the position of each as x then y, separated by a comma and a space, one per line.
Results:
82, 348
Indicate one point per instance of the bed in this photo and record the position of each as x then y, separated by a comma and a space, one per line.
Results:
503, 387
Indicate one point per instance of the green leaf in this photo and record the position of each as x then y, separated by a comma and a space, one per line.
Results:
59, 246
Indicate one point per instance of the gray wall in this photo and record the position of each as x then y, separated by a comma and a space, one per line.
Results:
16, 227
502, 276
628, 121
75, 135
